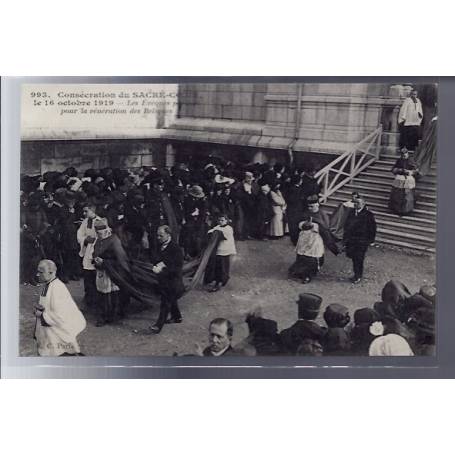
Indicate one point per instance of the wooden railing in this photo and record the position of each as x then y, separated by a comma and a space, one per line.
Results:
348, 165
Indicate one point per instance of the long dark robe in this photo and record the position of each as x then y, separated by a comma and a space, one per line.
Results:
337, 222
142, 283
426, 152
294, 212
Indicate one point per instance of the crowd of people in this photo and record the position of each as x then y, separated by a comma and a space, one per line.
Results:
125, 232
401, 324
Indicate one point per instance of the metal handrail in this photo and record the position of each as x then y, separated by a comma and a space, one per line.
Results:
330, 185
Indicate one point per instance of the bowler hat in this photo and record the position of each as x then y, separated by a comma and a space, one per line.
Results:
309, 305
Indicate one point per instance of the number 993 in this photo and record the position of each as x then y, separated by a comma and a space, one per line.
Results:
38, 94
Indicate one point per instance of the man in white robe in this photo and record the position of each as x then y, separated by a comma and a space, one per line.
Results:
409, 118
58, 319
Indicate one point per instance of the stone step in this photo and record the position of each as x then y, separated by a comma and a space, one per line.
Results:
389, 216
346, 194
382, 177
406, 227
405, 245
371, 189
384, 183
422, 213
377, 166
407, 236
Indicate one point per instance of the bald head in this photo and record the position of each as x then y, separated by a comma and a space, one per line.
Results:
46, 271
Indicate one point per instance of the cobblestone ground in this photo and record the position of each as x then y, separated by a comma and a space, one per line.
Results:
258, 277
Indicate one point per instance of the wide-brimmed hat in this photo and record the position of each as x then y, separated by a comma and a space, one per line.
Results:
196, 191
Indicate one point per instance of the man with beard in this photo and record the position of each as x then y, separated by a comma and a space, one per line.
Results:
359, 233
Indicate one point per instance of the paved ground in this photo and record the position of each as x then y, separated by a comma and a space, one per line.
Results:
259, 277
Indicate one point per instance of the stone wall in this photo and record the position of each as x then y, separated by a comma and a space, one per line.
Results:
38, 157
223, 101
332, 117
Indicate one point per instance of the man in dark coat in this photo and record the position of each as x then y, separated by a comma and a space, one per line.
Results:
220, 337
359, 233
246, 193
295, 204
168, 265
305, 328
264, 211
310, 185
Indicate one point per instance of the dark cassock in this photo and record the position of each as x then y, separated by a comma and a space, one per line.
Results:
359, 233
34, 226
70, 223
246, 193
402, 195
425, 154
264, 212
109, 249
135, 223
310, 186
295, 205
194, 231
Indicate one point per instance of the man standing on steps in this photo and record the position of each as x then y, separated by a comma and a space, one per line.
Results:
359, 233
409, 120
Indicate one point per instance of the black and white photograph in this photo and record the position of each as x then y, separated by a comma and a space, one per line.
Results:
228, 219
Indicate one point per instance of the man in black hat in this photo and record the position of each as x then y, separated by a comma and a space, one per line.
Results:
359, 233
305, 328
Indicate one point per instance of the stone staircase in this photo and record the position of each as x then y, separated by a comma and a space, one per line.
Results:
416, 231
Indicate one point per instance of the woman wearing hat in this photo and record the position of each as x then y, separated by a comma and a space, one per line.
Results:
402, 195
276, 226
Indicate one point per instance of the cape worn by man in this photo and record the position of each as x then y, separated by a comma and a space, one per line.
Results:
60, 323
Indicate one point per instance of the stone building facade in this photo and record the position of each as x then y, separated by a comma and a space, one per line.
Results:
247, 121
